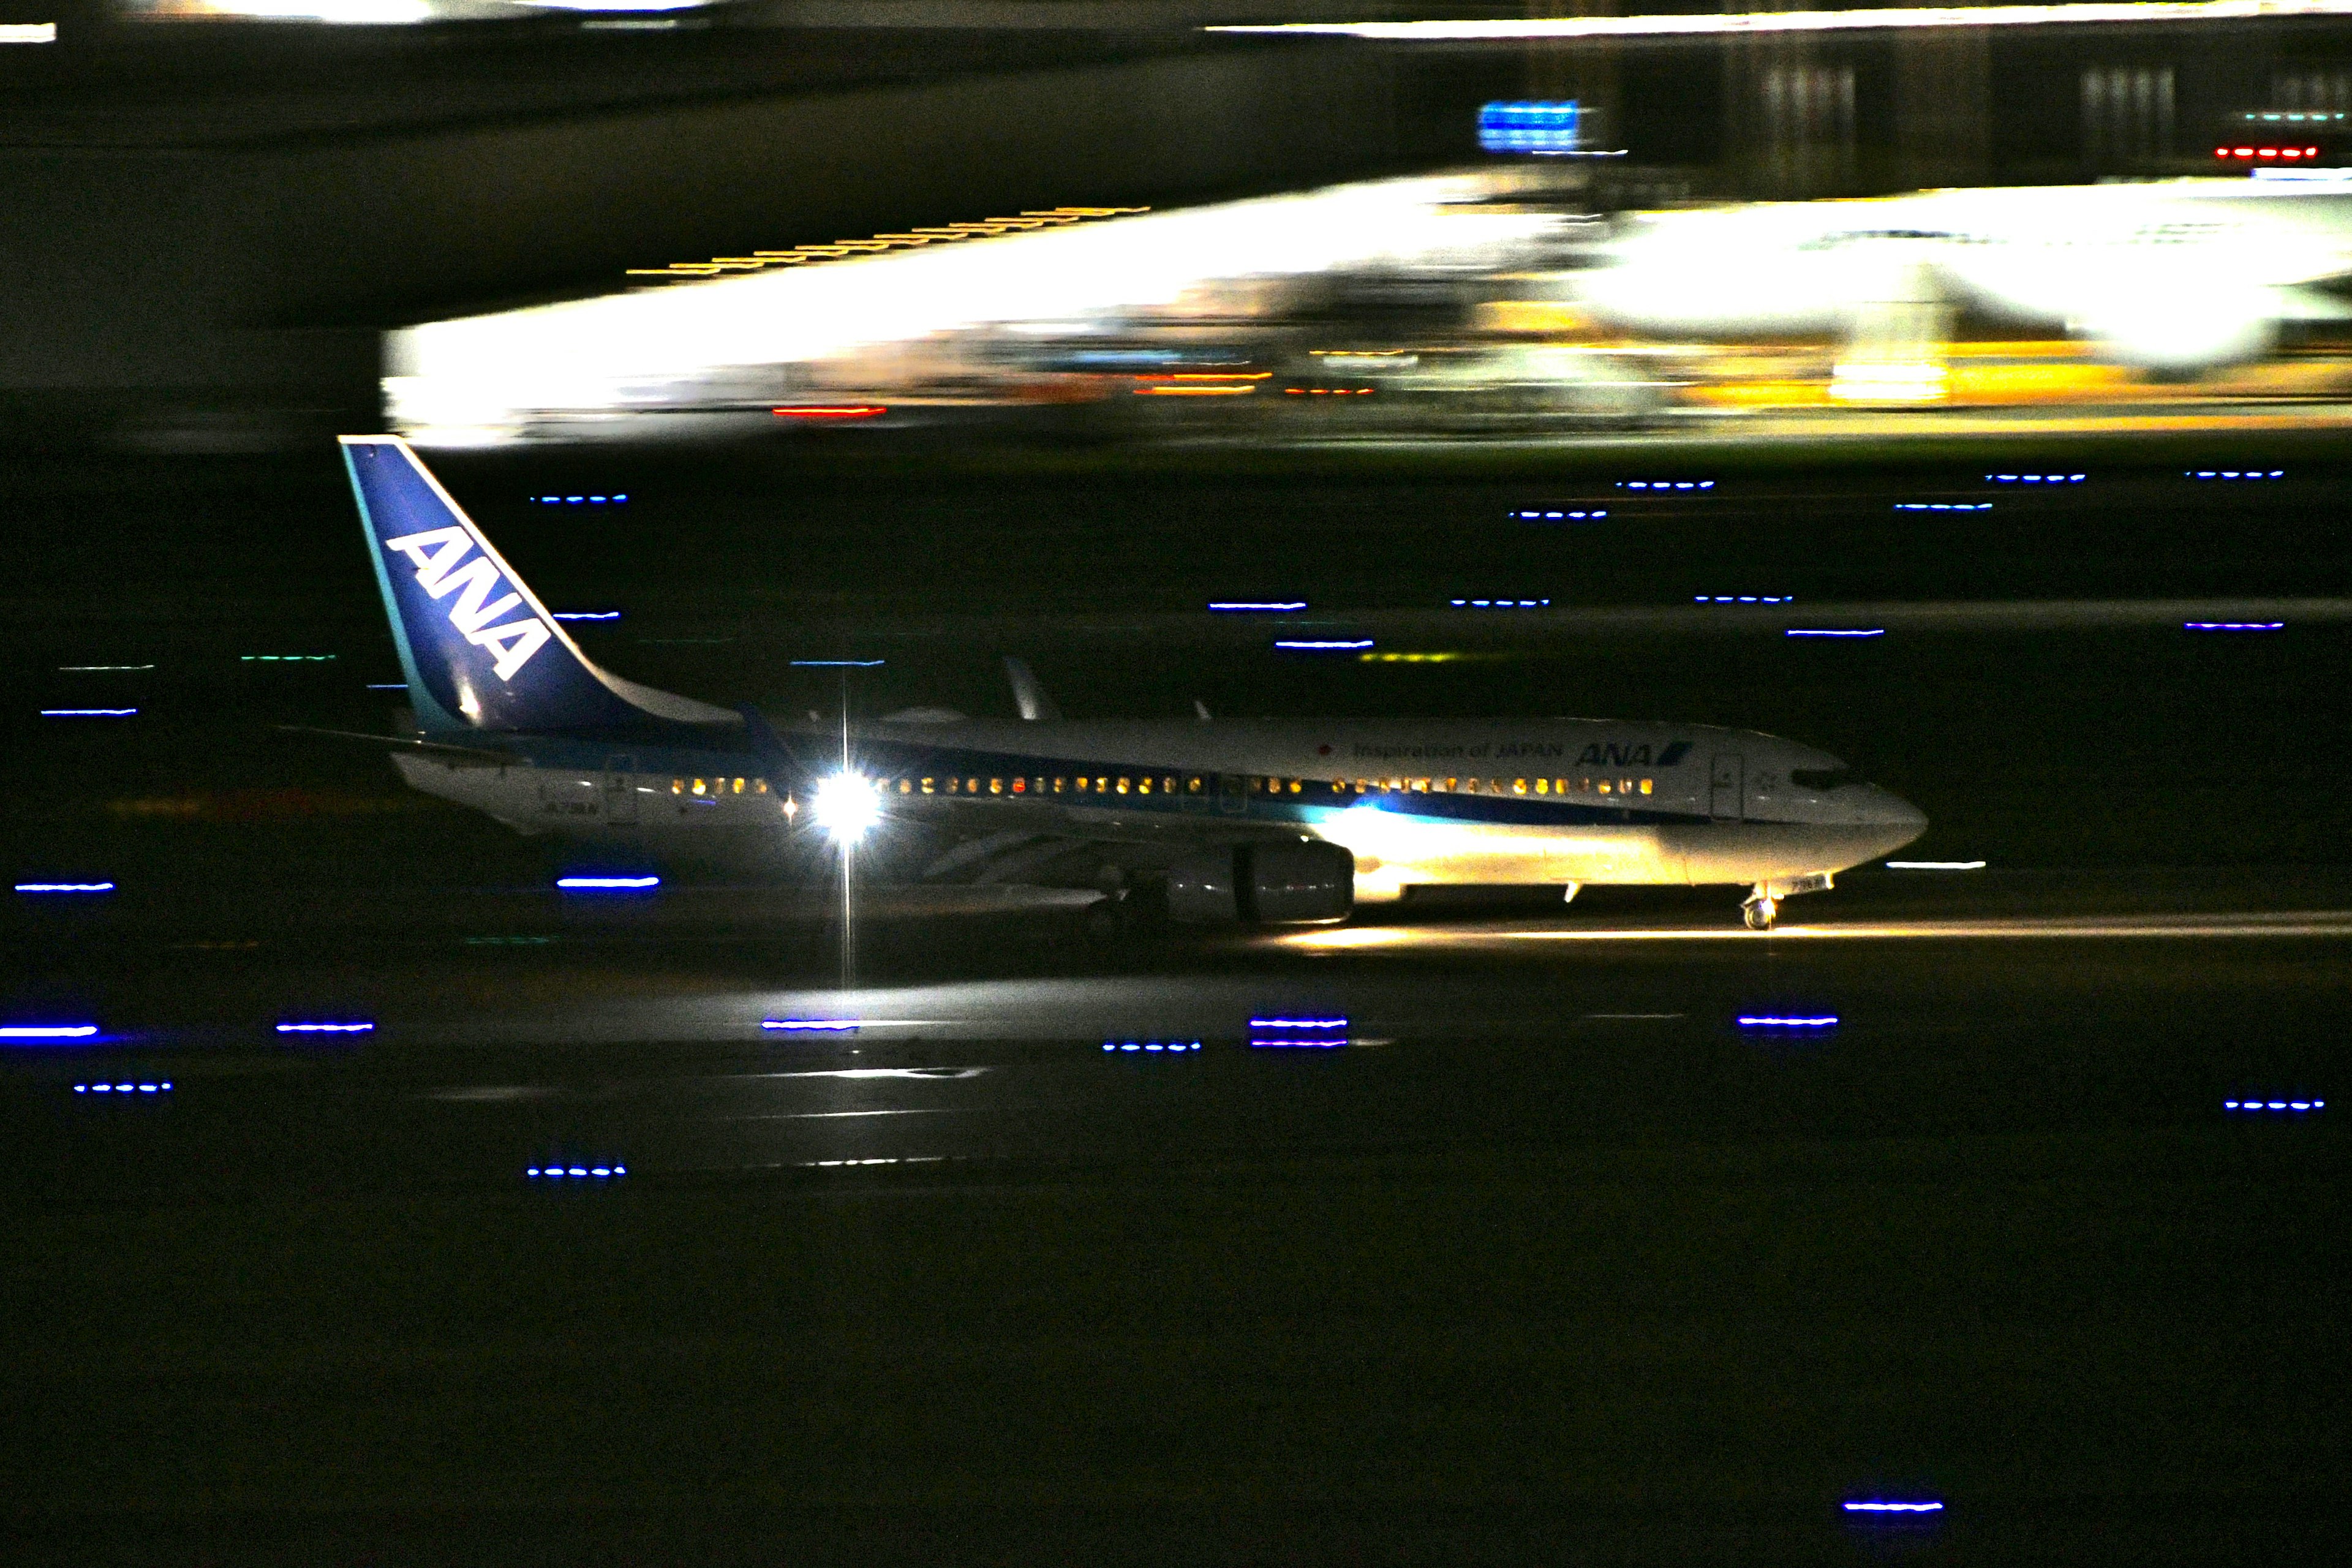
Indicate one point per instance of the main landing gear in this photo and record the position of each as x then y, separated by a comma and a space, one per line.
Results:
1760, 911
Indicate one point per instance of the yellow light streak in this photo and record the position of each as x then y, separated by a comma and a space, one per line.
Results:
879, 244
1890, 18
2326, 924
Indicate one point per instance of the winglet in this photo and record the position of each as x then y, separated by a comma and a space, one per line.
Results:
1027, 695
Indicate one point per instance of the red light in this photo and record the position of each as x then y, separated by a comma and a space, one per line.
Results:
2221, 151
2269, 152
2245, 153
2291, 153
2311, 152
831, 411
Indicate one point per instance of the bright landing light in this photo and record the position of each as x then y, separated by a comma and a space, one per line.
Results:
845, 805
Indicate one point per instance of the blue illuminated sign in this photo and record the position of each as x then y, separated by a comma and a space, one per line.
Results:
1529, 125
65, 886
563, 1170
163, 1087
352, 1028
605, 884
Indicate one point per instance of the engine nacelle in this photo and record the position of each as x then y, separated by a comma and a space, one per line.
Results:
1264, 884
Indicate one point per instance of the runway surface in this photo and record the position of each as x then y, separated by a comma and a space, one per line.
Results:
1468, 1231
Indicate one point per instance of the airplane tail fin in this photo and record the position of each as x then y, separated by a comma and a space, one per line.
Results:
479, 650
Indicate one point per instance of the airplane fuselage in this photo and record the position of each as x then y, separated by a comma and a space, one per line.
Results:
1536, 802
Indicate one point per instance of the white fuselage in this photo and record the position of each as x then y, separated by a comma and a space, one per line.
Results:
1438, 802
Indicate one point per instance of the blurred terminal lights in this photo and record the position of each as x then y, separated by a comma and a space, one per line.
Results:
1501, 302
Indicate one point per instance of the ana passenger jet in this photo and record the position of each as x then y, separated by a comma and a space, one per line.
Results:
1267, 821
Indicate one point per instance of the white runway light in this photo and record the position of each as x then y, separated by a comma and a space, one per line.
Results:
846, 806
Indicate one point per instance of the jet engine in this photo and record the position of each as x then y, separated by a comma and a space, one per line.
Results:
2185, 335
1264, 884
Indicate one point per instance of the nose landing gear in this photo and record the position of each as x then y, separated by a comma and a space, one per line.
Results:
1760, 911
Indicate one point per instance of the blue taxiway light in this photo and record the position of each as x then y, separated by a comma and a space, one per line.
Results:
1239, 606
1298, 1022
1332, 1043
360, 1027
88, 712
1829, 632
163, 1087
2234, 473
388, 685
603, 884
1774, 1021
99, 668
1499, 604
2233, 625
561, 1171
2035, 479
286, 658
1151, 1045
1935, 864
1665, 484
1562, 516
1318, 647
1876, 1507
813, 1026
1943, 506
1743, 598
2268, 1105
586, 615
836, 663
579, 500
65, 886
46, 1031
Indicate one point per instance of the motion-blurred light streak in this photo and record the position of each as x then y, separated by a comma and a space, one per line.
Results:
2318, 923
1895, 18
519, 374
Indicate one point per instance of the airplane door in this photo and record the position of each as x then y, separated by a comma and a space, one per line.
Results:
620, 788
1726, 787
1233, 794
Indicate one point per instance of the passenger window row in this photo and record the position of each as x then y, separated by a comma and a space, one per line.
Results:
717, 786
1199, 783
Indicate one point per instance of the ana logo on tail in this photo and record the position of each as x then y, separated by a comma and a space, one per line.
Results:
436, 553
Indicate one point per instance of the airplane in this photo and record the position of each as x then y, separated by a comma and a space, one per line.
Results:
1258, 822
2175, 278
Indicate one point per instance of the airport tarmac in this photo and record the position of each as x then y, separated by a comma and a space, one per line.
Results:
1525, 1242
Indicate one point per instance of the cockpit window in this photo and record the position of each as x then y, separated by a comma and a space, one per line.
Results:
1821, 778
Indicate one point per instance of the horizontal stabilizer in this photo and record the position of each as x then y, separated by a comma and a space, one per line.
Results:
476, 755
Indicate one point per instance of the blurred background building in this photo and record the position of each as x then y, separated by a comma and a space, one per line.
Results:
218, 209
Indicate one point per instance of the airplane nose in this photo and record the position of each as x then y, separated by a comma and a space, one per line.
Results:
1903, 821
